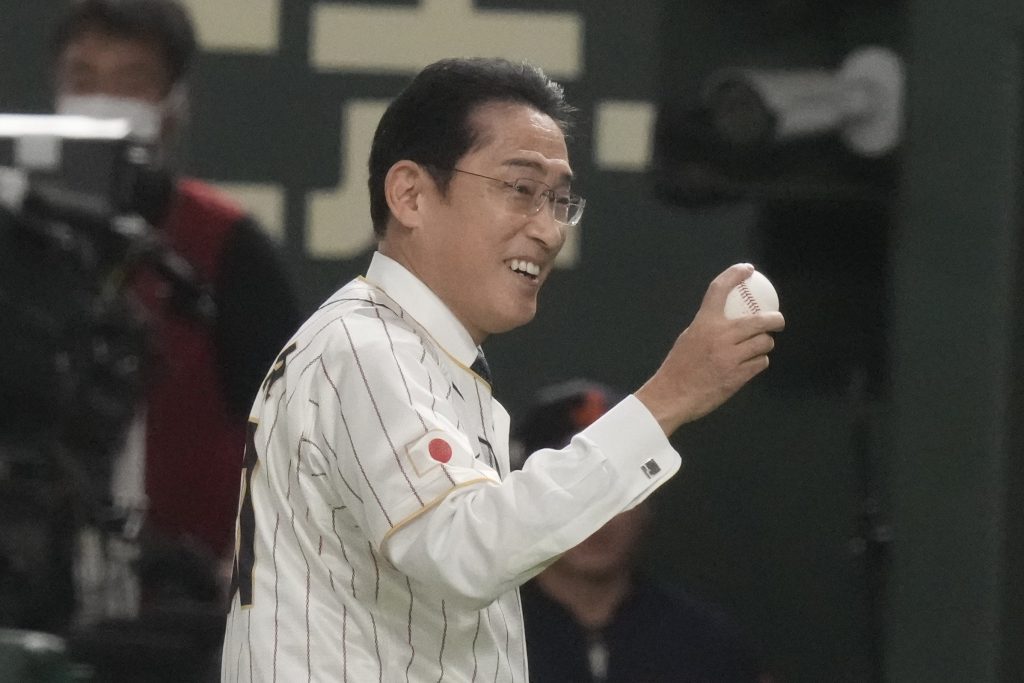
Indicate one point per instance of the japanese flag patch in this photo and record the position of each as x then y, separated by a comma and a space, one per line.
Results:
436, 448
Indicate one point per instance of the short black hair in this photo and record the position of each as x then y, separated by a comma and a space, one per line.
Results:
428, 122
166, 23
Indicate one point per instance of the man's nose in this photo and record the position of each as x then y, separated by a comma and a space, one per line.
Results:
543, 227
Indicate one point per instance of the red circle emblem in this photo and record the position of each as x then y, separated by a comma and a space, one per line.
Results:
440, 450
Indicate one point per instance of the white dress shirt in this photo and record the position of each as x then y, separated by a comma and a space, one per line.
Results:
381, 536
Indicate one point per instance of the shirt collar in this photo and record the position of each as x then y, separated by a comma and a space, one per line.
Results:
425, 307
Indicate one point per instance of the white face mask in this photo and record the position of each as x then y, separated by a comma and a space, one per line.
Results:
144, 118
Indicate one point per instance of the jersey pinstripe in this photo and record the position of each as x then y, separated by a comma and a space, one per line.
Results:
324, 599
377, 539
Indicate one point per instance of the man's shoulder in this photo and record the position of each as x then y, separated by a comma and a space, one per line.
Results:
359, 298
359, 317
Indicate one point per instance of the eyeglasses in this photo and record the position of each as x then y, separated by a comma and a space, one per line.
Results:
527, 196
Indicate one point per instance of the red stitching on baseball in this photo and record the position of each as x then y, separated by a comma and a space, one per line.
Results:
748, 298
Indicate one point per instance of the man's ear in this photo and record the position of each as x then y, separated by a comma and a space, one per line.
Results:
404, 188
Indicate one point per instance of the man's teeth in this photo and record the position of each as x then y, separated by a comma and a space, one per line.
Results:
527, 267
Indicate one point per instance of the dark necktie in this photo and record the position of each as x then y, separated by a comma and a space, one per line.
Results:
481, 368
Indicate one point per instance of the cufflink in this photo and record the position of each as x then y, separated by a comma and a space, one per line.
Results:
650, 468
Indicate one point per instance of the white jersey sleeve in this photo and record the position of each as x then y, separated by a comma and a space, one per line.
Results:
483, 541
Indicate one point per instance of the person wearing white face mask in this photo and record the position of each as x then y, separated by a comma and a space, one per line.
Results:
181, 463
144, 118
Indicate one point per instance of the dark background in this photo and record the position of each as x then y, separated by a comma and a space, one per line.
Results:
892, 405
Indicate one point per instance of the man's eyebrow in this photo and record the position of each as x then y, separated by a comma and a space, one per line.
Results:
531, 164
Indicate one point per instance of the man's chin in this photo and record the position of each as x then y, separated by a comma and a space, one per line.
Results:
513, 320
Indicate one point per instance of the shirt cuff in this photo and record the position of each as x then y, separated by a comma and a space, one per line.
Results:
636, 448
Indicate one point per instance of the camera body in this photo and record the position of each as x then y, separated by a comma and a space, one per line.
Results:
71, 191
88, 157
74, 344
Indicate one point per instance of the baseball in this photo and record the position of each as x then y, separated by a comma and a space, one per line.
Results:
753, 295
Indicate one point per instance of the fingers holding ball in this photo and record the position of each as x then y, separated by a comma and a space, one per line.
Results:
754, 295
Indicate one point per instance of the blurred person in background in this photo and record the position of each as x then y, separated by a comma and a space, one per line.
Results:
131, 59
594, 615
149, 573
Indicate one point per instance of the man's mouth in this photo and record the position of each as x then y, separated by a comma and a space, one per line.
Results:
527, 269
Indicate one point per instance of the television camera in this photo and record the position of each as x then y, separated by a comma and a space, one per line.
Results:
79, 199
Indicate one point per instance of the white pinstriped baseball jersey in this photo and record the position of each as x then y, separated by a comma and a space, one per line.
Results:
380, 535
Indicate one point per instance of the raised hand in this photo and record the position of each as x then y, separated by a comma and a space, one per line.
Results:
712, 358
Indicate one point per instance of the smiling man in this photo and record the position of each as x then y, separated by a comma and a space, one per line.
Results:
381, 536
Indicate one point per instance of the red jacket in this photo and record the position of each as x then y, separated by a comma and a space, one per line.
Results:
194, 436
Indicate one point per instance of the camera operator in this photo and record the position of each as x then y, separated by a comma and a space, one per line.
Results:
130, 59
124, 423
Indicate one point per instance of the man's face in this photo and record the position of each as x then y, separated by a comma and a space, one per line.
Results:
98, 63
473, 245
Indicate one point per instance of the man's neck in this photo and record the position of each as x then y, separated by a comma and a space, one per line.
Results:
592, 600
